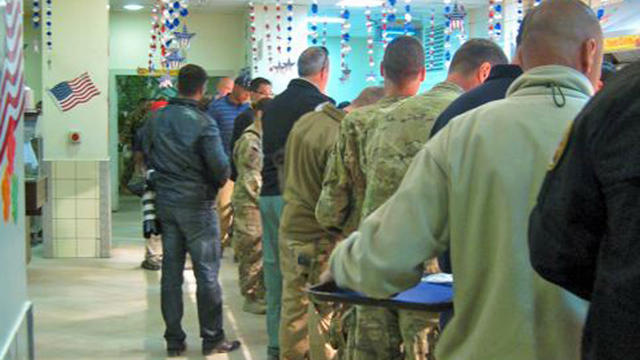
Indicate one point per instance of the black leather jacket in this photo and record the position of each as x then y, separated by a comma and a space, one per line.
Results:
183, 146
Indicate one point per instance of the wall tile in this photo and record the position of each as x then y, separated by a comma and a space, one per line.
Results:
64, 229
65, 248
87, 228
65, 169
87, 170
64, 189
87, 248
87, 189
87, 209
64, 209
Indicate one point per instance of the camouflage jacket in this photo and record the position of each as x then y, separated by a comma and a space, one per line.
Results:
397, 138
133, 122
247, 155
339, 207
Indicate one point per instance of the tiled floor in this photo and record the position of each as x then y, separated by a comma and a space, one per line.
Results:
110, 308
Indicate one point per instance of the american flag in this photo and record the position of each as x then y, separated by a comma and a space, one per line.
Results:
68, 94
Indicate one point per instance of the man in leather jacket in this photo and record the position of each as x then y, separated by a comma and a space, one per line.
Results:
184, 148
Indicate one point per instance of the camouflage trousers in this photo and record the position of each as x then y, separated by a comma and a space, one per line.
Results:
225, 213
382, 333
304, 325
247, 246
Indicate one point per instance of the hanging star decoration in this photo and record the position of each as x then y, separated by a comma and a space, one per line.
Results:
165, 82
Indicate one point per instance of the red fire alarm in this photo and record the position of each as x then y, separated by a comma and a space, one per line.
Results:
75, 137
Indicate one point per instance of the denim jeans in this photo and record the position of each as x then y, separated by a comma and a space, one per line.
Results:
194, 231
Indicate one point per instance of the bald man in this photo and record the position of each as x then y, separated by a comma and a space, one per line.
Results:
224, 87
471, 189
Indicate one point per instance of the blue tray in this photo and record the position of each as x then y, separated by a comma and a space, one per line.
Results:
424, 297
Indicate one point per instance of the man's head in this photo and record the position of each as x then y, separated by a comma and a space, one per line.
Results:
472, 63
224, 87
563, 32
260, 88
403, 65
368, 96
240, 93
192, 81
313, 65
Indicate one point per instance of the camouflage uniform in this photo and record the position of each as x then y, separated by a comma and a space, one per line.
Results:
387, 146
247, 226
134, 121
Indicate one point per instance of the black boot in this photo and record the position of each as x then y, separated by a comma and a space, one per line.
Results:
225, 346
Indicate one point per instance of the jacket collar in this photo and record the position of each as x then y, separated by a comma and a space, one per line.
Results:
301, 82
183, 101
505, 72
331, 111
544, 79
448, 85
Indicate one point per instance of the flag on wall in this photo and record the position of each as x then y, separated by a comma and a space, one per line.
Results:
68, 94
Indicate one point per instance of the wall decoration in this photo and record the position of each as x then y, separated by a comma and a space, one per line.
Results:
371, 76
267, 37
324, 33
447, 33
252, 34
520, 9
166, 81
68, 94
391, 17
407, 16
537, 2
345, 48
497, 17
36, 16
184, 37
11, 108
385, 26
289, 64
314, 22
49, 25
155, 34
601, 10
278, 37
432, 40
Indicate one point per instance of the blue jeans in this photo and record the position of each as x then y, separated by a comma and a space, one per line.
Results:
194, 231
270, 211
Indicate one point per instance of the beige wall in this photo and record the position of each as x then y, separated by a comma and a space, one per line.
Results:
217, 46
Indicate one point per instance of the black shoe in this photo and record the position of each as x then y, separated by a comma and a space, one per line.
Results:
148, 265
176, 350
225, 346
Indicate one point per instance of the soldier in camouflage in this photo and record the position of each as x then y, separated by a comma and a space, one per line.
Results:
304, 245
134, 121
247, 225
381, 151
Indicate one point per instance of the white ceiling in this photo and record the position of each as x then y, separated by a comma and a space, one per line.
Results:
237, 5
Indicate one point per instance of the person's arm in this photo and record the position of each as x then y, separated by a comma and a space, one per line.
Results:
387, 254
336, 201
249, 156
215, 159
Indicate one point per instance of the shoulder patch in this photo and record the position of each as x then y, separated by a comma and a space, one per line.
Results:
557, 156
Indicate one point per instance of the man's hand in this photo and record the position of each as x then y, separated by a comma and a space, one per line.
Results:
326, 277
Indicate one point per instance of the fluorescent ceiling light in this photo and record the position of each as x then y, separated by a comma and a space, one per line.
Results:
325, 19
359, 3
133, 7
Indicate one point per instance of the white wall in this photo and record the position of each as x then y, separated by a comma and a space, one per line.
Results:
216, 46
77, 47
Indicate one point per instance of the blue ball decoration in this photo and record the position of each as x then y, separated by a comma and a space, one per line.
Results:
176, 5
167, 23
391, 18
36, 3
288, 48
176, 22
346, 37
314, 27
393, 2
48, 33
290, 7
447, 9
48, 23
498, 26
498, 8
448, 39
407, 8
314, 8
49, 43
600, 13
48, 12
184, 12
49, 2
289, 28
289, 18
447, 23
447, 56
347, 14
314, 41
289, 38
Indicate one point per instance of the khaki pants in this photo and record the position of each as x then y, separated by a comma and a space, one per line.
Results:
153, 249
304, 326
225, 212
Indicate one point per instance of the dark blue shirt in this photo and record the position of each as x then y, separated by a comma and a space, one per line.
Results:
224, 112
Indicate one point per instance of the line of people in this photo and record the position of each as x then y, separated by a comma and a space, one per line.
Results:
369, 195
